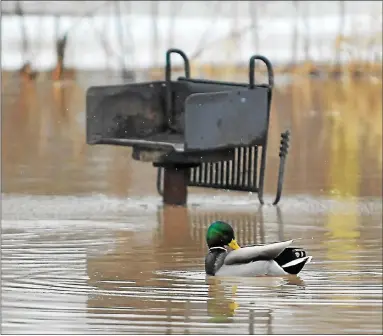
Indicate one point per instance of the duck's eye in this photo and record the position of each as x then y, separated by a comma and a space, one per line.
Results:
226, 239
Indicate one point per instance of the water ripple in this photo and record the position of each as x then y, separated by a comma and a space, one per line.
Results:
132, 274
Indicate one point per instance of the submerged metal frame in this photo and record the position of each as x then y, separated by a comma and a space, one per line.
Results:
197, 132
208, 167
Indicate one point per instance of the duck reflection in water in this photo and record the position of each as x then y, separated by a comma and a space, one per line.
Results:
221, 305
224, 294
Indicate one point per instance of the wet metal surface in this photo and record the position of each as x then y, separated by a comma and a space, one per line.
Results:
88, 248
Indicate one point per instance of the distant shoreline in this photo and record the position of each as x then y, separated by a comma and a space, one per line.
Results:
240, 72
98, 42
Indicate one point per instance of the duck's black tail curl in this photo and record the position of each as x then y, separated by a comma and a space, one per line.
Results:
292, 260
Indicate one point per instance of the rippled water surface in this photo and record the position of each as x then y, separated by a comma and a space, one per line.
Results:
87, 246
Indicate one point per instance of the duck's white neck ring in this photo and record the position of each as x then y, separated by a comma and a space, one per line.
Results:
217, 248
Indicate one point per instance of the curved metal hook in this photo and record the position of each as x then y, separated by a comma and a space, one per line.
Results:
270, 71
168, 68
168, 76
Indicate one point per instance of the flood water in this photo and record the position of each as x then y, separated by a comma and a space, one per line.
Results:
87, 246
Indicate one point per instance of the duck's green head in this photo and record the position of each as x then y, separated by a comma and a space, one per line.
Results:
220, 234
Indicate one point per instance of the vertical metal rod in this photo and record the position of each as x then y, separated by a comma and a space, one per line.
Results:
232, 171
234, 168
221, 173
192, 173
196, 174
238, 172
255, 167
212, 172
227, 173
205, 170
243, 166
217, 167
239, 166
216, 172
249, 165
202, 179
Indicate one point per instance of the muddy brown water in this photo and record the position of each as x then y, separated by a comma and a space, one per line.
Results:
88, 248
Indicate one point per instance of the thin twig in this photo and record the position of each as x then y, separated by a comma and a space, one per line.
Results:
294, 46
220, 40
253, 12
201, 44
174, 10
128, 28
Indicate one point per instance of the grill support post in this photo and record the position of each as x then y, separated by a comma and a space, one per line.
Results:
176, 179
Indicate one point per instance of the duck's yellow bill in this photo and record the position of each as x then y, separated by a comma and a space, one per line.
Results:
234, 245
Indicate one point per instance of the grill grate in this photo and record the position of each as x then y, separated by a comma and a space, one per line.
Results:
237, 174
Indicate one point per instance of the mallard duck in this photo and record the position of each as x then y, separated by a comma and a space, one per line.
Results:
276, 259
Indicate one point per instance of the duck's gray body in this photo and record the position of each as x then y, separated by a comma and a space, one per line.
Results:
275, 259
